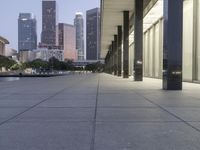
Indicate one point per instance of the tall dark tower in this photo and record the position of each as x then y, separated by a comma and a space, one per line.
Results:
48, 22
93, 34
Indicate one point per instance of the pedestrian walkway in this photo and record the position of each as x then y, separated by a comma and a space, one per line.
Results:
97, 112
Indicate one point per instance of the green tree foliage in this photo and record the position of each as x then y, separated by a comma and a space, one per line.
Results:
6, 62
36, 64
52, 64
95, 67
16, 67
55, 64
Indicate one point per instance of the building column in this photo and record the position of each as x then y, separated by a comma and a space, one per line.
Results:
172, 54
109, 60
138, 38
115, 54
112, 56
119, 51
125, 44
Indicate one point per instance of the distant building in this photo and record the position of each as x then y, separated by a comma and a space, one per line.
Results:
48, 22
67, 40
41, 45
79, 25
3, 43
9, 52
83, 63
27, 34
45, 54
93, 34
26, 56
40, 53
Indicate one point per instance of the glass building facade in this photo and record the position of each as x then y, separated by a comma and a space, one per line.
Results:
27, 32
79, 25
93, 34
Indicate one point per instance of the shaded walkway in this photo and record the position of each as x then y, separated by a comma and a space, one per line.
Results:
97, 112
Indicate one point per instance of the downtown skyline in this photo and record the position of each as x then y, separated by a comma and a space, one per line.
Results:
66, 14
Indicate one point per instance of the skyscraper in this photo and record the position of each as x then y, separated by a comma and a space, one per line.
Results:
93, 34
67, 40
27, 34
79, 25
48, 22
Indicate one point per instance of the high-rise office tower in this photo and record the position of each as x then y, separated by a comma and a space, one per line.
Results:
48, 36
93, 34
27, 34
79, 25
67, 40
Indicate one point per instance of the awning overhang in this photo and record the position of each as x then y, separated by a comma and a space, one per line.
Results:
112, 16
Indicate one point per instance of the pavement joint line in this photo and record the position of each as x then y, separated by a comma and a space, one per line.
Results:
49, 107
95, 117
124, 107
55, 121
121, 122
172, 114
67, 107
46, 99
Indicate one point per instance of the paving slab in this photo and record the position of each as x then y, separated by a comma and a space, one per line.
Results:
133, 114
77, 103
45, 136
146, 136
7, 113
18, 103
57, 114
25, 96
122, 100
187, 114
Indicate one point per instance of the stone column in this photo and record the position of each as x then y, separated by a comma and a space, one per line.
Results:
125, 44
172, 54
115, 54
112, 56
138, 38
119, 51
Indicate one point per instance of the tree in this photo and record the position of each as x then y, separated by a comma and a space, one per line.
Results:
95, 67
6, 62
37, 64
16, 67
54, 63
69, 65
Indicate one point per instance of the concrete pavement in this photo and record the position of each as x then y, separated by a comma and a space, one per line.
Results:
97, 112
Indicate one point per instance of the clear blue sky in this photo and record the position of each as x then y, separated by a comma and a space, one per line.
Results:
10, 10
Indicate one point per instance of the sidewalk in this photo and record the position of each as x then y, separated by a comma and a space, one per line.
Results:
98, 112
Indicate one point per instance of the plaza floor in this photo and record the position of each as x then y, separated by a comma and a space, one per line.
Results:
97, 112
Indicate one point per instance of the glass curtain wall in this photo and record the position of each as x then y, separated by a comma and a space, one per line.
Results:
161, 47
156, 51
197, 40
131, 53
153, 45
146, 54
188, 40
153, 50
